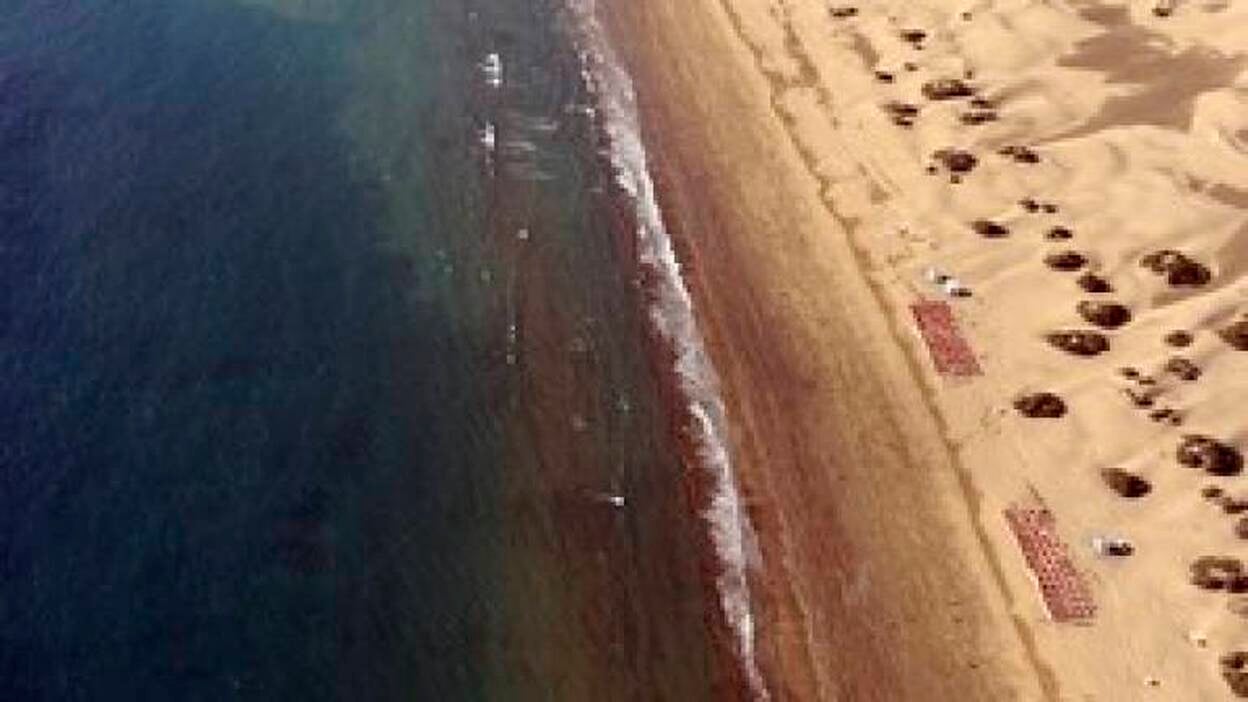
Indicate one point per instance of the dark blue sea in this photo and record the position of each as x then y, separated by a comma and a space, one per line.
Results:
309, 392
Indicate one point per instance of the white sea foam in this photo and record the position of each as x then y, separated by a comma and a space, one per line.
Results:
487, 136
672, 314
492, 68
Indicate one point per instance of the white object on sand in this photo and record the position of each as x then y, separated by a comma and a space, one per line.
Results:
935, 277
1111, 546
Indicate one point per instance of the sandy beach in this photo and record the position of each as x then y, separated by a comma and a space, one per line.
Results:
1068, 181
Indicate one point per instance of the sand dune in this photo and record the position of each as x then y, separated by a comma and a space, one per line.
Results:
1139, 121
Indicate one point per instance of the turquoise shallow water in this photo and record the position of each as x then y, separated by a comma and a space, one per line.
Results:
304, 394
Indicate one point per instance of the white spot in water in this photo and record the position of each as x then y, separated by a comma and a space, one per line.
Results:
579, 423
492, 69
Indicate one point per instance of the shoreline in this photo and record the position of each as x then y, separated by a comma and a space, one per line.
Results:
797, 670
677, 350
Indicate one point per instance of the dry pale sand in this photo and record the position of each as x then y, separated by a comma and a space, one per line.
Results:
809, 218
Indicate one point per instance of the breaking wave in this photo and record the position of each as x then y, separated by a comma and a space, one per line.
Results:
671, 313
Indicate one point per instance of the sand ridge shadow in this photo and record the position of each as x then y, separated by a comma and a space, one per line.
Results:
1168, 81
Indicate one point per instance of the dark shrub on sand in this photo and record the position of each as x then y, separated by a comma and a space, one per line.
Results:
990, 229
1059, 234
1179, 339
1079, 342
913, 36
1107, 315
1189, 273
946, 89
1218, 573
1182, 368
1232, 505
1168, 415
1125, 483
1093, 283
1210, 455
1236, 335
1140, 398
901, 109
1235, 672
1020, 154
1178, 267
843, 11
975, 117
902, 114
956, 160
1065, 260
1241, 528
1044, 405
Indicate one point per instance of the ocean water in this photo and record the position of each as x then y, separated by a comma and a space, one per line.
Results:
323, 363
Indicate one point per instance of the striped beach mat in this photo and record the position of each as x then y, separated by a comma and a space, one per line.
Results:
950, 350
1062, 587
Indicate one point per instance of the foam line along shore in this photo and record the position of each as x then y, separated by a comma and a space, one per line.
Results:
699, 408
